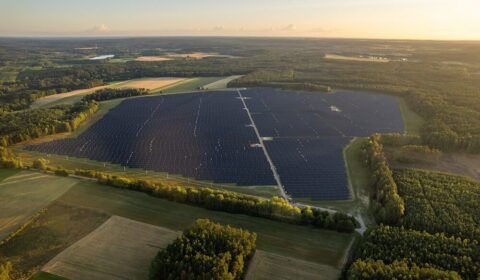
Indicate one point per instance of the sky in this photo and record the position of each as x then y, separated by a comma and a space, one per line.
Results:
389, 19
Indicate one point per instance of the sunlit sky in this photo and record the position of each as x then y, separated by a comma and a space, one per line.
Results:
402, 19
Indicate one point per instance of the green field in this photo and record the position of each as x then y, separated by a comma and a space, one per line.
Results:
314, 245
25, 193
58, 227
118, 249
46, 276
190, 85
412, 121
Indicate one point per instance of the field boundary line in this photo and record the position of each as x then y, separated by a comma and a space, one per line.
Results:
24, 180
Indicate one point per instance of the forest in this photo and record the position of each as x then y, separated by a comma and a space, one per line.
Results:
22, 126
437, 203
421, 249
388, 207
206, 250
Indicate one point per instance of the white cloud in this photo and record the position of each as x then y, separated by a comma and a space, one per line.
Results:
99, 29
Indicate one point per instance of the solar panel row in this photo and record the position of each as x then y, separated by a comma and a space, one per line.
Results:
208, 136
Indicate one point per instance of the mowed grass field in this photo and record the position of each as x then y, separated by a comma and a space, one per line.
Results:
47, 235
266, 266
119, 249
153, 222
299, 242
24, 193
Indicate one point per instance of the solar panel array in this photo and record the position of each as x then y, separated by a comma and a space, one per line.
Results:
310, 131
208, 136
203, 136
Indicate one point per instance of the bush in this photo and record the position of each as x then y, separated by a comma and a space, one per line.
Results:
62, 172
40, 164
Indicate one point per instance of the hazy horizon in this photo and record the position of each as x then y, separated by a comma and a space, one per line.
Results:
366, 19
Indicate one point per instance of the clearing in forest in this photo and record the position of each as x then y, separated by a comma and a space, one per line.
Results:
150, 83
118, 249
25, 193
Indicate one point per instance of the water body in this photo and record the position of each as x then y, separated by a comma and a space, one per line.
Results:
102, 57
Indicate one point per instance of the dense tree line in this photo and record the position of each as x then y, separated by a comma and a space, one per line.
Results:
206, 250
25, 125
438, 202
422, 249
113, 93
274, 208
388, 206
372, 270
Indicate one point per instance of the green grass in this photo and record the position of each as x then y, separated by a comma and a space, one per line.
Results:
190, 85
412, 121
80, 163
22, 195
221, 84
46, 276
314, 245
57, 228
5, 173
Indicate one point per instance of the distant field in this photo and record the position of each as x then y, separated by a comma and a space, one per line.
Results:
49, 234
266, 266
152, 58
220, 84
150, 83
118, 249
314, 245
24, 193
191, 85
76, 95
356, 58
41, 102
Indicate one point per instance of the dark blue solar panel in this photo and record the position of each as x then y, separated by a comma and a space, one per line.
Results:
207, 136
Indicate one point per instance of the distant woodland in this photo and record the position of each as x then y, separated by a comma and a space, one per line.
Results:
440, 81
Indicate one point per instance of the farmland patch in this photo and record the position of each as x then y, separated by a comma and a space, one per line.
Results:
119, 249
314, 245
55, 229
24, 194
266, 266
149, 84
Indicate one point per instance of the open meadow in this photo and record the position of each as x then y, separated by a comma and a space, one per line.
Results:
118, 249
25, 193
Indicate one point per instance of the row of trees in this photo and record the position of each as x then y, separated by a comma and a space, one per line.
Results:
388, 206
206, 250
438, 202
373, 270
422, 249
113, 93
25, 125
275, 208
